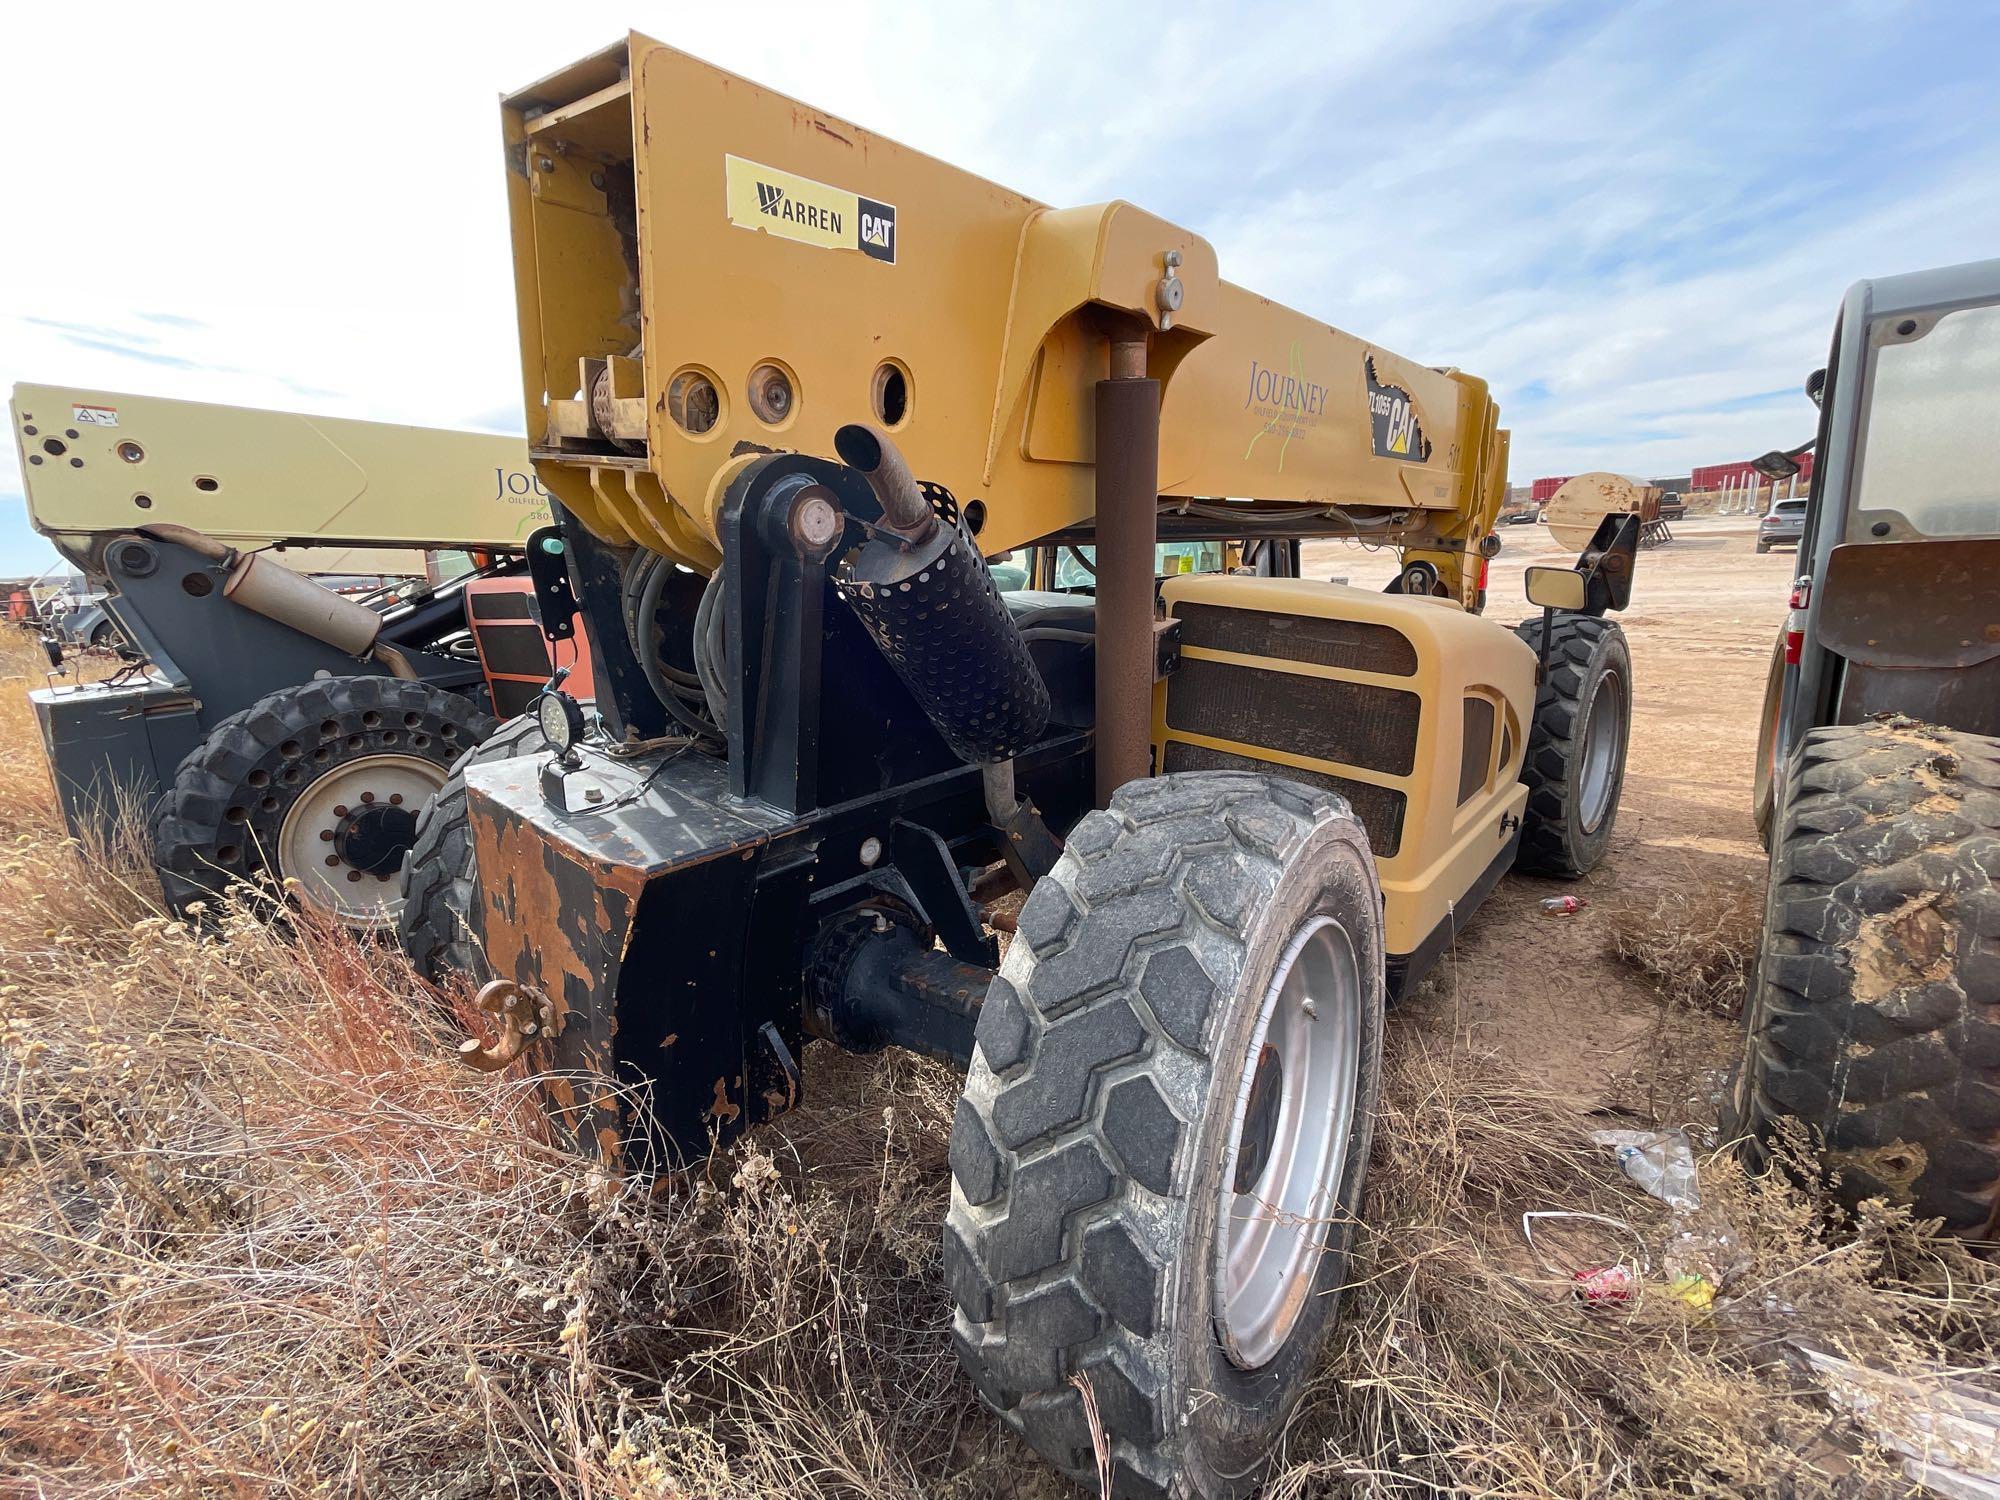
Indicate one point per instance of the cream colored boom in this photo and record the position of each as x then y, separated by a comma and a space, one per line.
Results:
102, 462
708, 271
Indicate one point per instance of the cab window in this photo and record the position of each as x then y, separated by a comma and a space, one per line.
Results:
1073, 565
1930, 446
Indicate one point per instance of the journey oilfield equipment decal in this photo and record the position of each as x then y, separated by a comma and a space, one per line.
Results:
797, 208
1398, 433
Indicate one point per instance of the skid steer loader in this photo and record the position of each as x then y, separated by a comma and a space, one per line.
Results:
264, 723
825, 378
1874, 1010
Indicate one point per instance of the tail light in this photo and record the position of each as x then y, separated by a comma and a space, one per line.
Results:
1795, 620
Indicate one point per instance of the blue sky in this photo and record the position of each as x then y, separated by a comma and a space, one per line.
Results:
1635, 220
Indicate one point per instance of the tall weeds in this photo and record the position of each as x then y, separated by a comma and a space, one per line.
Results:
260, 1235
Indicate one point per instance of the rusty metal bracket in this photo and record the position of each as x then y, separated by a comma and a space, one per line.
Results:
524, 1016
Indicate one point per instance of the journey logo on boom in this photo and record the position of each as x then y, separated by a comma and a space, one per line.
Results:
1286, 392
1286, 406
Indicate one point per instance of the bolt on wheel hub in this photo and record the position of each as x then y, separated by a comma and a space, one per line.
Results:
344, 839
373, 838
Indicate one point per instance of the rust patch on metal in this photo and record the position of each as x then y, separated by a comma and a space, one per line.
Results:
723, 1109
523, 1014
558, 924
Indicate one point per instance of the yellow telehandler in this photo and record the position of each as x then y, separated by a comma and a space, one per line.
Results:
263, 723
813, 380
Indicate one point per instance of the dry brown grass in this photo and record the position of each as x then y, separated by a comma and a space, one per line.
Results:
1695, 943
1464, 1367
259, 1235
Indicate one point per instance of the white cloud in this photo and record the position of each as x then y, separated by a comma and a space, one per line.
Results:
1645, 212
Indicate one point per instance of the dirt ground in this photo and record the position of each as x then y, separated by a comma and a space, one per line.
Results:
1705, 609
260, 1234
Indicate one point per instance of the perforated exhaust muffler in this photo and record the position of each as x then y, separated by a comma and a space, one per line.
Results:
923, 593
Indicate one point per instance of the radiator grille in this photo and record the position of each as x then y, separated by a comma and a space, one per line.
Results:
1358, 724
1354, 645
498, 604
513, 697
1379, 808
514, 650
1476, 748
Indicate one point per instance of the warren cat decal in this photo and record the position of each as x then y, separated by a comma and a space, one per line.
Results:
797, 208
1398, 433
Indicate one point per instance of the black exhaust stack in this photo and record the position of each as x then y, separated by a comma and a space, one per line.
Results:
923, 593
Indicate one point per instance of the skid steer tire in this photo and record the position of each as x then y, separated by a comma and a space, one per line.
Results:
1120, 1079
1574, 767
1874, 1014
440, 873
246, 806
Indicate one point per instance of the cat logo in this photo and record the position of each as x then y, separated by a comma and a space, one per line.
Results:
878, 231
808, 212
1396, 430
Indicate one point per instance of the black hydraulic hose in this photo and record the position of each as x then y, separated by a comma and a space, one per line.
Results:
711, 653
656, 670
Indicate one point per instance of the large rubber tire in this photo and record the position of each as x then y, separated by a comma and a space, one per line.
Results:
1874, 1014
1567, 825
1099, 1122
221, 822
440, 873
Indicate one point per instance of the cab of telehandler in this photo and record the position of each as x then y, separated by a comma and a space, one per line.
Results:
1877, 789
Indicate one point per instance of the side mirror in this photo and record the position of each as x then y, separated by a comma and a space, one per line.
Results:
1816, 385
1775, 465
1556, 588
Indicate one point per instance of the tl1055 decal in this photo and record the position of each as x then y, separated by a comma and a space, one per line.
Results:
1393, 419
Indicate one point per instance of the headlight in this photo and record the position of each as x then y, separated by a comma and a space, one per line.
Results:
561, 720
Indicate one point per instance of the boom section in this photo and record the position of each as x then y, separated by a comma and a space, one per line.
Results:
709, 271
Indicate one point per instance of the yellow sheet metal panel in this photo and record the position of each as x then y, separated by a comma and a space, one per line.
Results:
729, 230
104, 461
1401, 657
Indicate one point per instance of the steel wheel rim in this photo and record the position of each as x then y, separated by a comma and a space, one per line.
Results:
1603, 732
315, 828
1267, 1253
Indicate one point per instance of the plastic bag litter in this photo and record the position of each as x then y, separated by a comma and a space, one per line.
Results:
1660, 1161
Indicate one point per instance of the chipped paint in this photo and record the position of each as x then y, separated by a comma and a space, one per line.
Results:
723, 1109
